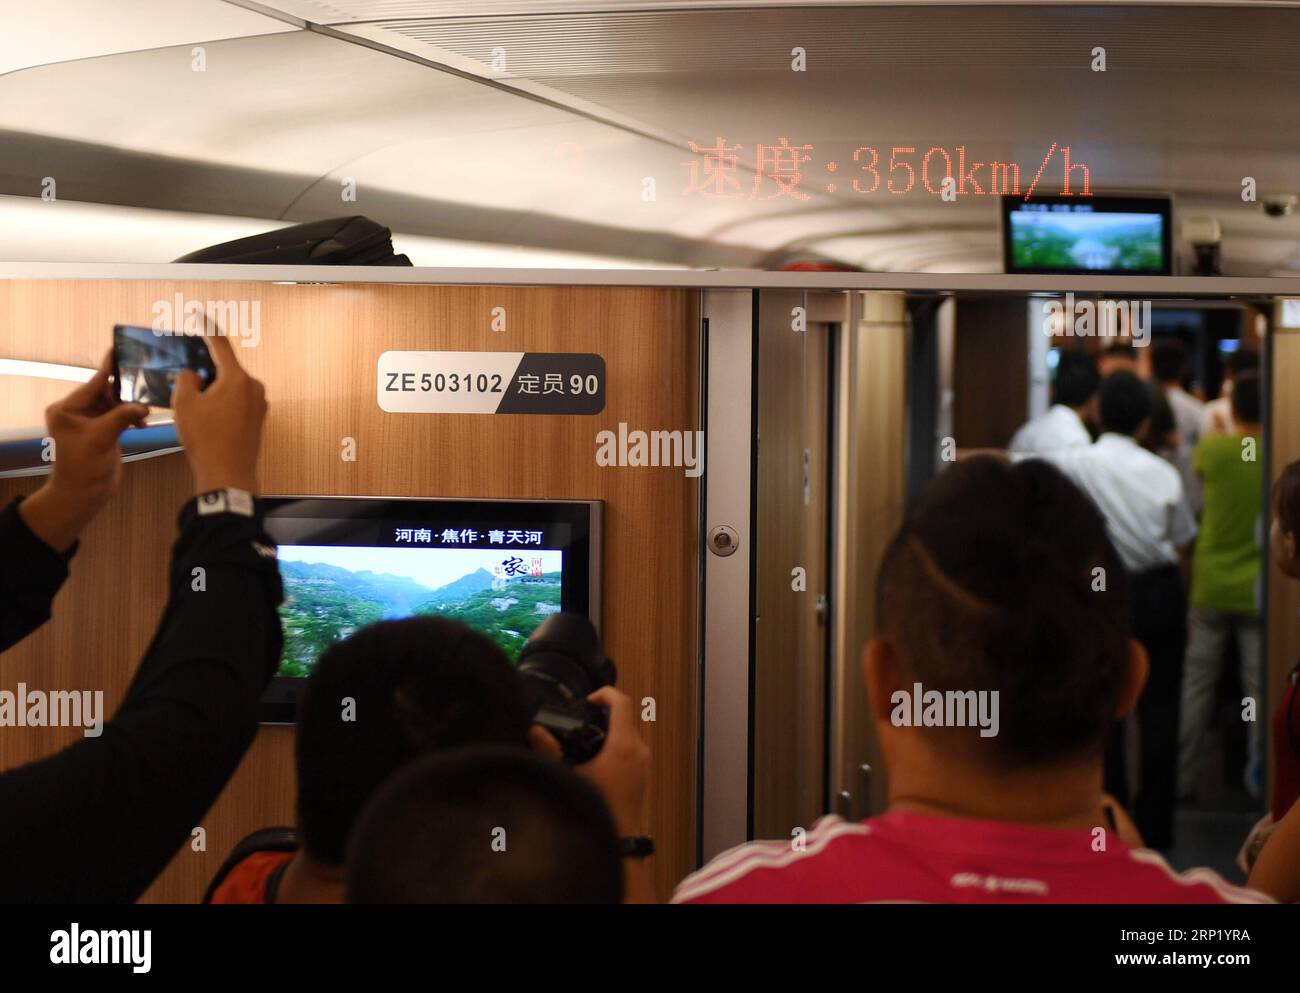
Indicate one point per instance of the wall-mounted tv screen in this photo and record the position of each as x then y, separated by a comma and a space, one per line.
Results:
500, 566
1087, 235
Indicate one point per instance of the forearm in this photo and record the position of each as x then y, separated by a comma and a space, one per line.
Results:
1277, 869
55, 519
99, 820
31, 573
225, 587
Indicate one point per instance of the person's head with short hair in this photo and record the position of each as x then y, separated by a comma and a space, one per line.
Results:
485, 825
393, 691
1002, 578
1161, 431
1246, 400
1125, 403
1168, 361
1241, 361
1285, 530
1118, 356
1076, 379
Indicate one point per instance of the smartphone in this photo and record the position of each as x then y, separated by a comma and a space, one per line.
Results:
147, 362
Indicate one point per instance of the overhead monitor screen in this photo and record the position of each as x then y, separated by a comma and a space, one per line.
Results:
1087, 235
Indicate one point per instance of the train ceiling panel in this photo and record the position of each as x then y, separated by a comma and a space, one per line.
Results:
63, 30
567, 125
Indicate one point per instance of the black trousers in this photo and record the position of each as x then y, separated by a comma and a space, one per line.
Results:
1159, 606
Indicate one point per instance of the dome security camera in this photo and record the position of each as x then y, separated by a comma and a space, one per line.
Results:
1279, 204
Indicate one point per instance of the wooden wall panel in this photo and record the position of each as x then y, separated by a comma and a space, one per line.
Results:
22, 401
790, 642
317, 355
872, 495
991, 371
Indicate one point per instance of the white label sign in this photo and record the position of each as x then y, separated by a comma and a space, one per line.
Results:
491, 383
1290, 312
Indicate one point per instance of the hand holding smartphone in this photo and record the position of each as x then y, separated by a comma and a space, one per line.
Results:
147, 362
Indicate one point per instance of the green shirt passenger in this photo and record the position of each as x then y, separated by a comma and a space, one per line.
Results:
1225, 570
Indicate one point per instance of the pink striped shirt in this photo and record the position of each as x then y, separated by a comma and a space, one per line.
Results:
908, 857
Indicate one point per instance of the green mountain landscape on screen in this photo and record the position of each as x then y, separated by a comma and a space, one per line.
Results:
326, 603
1132, 246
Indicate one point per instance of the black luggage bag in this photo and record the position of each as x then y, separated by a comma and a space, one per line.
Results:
335, 241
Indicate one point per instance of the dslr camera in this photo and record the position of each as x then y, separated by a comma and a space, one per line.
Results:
561, 664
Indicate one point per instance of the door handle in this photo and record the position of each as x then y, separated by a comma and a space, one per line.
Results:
844, 804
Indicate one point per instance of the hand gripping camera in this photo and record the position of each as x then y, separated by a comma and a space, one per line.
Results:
561, 664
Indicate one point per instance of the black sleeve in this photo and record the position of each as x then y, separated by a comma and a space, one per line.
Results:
31, 572
99, 820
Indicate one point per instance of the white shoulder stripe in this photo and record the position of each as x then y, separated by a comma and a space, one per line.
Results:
731, 856
763, 858
1196, 877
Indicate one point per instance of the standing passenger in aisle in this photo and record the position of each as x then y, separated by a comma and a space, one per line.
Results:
1147, 517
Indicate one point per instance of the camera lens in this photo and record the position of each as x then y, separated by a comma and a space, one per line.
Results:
561, 664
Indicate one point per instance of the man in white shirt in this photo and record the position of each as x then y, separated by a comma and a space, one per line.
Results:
1141, 496
1168, 362
1073, 398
